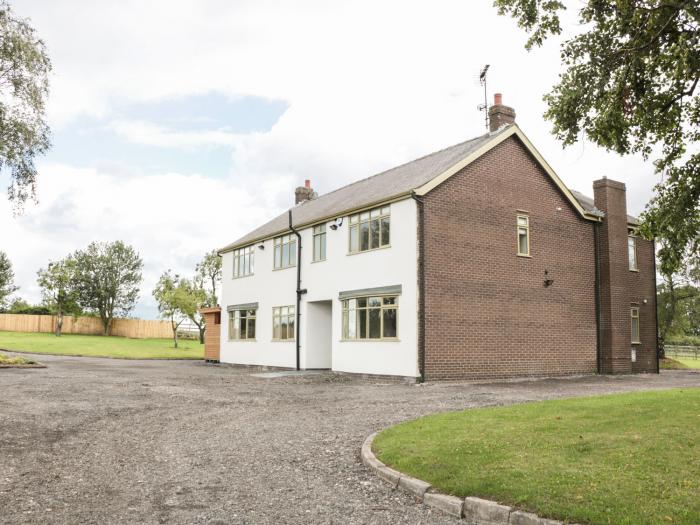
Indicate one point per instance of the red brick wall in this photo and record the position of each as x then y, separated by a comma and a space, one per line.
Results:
488, 313
642, 288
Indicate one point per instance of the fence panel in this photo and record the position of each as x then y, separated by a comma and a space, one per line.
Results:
133, 328
683, 351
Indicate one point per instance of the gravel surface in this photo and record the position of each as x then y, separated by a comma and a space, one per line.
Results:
90, 440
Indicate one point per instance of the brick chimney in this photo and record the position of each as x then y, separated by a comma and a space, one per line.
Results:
304, 193
610, 197
500, 115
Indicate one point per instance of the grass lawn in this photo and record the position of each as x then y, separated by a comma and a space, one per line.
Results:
680, 362
8, 360
99, 346
618, 459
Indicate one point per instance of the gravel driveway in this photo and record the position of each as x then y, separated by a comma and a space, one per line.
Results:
109, 441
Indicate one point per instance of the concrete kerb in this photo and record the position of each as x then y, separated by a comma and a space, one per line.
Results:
475, 511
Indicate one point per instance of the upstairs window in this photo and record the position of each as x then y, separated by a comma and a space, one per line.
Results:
243, 262
283, 323
523, 229
319, 235
367, 318
241, 324
632, 252
285, 251
634, 316
370, 230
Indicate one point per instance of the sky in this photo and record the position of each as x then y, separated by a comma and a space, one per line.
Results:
178, 126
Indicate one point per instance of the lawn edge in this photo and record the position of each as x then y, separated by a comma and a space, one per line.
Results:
29, 352
472, 509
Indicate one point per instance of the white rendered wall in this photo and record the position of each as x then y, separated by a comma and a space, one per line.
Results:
393, 265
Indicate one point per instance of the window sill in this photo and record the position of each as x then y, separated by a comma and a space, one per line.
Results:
282, 340
635, 270
385, 340
320, 260
285, 268
242, 340
370, 250
523, 255
242, 276
636, 342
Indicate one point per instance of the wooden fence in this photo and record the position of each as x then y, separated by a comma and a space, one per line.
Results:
134, 328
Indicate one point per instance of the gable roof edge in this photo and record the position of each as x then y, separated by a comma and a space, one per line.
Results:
498, 139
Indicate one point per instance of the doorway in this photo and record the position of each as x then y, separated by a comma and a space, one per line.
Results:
319, 342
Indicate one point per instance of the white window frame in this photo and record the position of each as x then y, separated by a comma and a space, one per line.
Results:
319, 234
356, 222
352, 311
241, 256
632, 258
526, 227
235, 316
279, 243
634, 315
287, 313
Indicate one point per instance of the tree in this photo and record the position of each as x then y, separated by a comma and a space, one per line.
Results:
107, 279
631, 86
58, 288
208, 272
173, 300
7, 278
679, 298
24, 87
195, 298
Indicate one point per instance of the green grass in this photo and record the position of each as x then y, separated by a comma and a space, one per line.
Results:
680, 363
618, 459
99, 346
8, 360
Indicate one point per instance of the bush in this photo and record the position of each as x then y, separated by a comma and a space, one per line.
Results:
683, 340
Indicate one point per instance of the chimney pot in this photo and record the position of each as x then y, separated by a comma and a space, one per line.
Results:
497, 99
500, 115
304, 193
307, 183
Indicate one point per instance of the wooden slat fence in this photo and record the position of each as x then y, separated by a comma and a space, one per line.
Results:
134, 328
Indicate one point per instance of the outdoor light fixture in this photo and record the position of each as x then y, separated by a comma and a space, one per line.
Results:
548, 281
337, 224
261, 246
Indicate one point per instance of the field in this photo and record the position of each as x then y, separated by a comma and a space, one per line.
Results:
623, 459
100, 346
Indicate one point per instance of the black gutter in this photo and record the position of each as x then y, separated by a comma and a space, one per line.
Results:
656, 309
596, 250
300, 292
421, 285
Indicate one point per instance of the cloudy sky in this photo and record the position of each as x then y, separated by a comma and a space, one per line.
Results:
180, 125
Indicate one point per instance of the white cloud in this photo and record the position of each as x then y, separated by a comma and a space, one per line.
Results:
141, 132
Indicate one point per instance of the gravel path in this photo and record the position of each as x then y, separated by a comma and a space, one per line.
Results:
109, 441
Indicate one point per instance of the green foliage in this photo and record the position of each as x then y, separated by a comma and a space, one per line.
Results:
178, 299
630, 85
208, 274
107, 279
20, 306
623, 459
24, 86
58, 288
7, 277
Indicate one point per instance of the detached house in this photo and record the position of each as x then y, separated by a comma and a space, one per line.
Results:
473, 262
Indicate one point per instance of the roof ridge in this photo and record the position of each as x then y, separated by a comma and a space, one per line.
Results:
396, 167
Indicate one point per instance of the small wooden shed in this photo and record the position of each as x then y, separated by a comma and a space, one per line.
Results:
212, 335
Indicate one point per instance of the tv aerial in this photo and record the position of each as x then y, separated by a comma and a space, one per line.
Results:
485, 106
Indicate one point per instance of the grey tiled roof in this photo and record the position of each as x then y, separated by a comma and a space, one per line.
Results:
381, 187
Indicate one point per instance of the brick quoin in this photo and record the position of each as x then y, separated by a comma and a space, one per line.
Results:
488, 314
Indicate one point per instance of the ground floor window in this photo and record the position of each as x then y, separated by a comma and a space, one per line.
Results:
370, 318
634, 315
241, 324
283, 318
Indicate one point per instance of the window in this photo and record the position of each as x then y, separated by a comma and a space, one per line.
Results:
241, 324
370, 230
370, 318
632, 252
283, 323
523, 235
285, 251
243, 261
320, 242
634, 313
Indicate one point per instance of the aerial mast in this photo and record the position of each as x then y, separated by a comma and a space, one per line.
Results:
485, 106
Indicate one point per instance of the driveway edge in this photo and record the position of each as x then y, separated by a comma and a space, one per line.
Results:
474, 510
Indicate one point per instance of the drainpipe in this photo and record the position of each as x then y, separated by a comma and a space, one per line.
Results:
596, 250
421, 286
299, 291
656, 309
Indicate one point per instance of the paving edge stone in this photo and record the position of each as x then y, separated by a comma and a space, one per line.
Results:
475, 511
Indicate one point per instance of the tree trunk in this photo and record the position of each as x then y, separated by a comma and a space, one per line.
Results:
201, 335
59, 323
107, 324
172, 323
